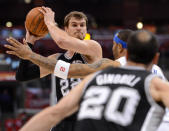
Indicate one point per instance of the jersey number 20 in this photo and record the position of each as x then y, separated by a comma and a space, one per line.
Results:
101, 101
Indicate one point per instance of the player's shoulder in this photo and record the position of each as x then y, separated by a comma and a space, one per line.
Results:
122, 60
156, 69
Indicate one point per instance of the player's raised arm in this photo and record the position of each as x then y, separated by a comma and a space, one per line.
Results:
73, 36
28, 70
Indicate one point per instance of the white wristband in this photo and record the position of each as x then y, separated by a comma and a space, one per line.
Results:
61, 69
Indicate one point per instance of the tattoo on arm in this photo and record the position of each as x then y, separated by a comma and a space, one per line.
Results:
82, 70
43, 62
98, 65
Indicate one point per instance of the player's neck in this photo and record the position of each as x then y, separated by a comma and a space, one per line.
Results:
130, 63
122, 54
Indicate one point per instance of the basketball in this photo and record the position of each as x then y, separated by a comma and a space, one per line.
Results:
35, 22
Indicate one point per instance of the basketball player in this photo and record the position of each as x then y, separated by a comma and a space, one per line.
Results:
116, 98
79, 51
75, 24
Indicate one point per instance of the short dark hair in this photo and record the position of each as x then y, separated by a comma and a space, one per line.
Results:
77, 15
142, 46
124, 34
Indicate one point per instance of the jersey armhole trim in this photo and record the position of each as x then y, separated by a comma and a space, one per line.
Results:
147, 82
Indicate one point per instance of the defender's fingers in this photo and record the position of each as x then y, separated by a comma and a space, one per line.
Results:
10, 40
12, 53
10, 47
16, 41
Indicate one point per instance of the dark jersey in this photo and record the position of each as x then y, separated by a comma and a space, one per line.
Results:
118, 99
63, 86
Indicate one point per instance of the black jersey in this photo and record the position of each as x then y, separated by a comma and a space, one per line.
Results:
63, 86
118, 99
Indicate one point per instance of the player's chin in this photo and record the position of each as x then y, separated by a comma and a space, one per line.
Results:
81, 37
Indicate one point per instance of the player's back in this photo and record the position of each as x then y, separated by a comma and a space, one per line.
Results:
118, 99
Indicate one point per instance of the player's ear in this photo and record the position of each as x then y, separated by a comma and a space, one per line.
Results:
156, 58
120, 48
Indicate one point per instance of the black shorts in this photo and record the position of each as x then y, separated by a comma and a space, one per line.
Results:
64, 126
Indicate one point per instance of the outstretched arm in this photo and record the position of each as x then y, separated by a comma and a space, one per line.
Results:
27, 70
51, 116
82, 70
75, 70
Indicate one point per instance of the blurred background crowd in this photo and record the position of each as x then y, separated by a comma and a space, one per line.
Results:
18, 101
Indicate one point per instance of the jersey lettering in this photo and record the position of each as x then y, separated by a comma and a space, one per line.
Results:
62, 69
125, 116
92, 106
99, 99
65, 87
130, 80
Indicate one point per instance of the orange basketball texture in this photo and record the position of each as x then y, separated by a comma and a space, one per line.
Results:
35, 22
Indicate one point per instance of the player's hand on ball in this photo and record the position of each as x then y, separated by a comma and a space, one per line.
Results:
49, 15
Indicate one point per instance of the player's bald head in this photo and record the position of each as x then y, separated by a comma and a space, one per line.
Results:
143, 36
142, 46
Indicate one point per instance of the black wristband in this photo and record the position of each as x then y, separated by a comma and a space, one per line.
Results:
30, 45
